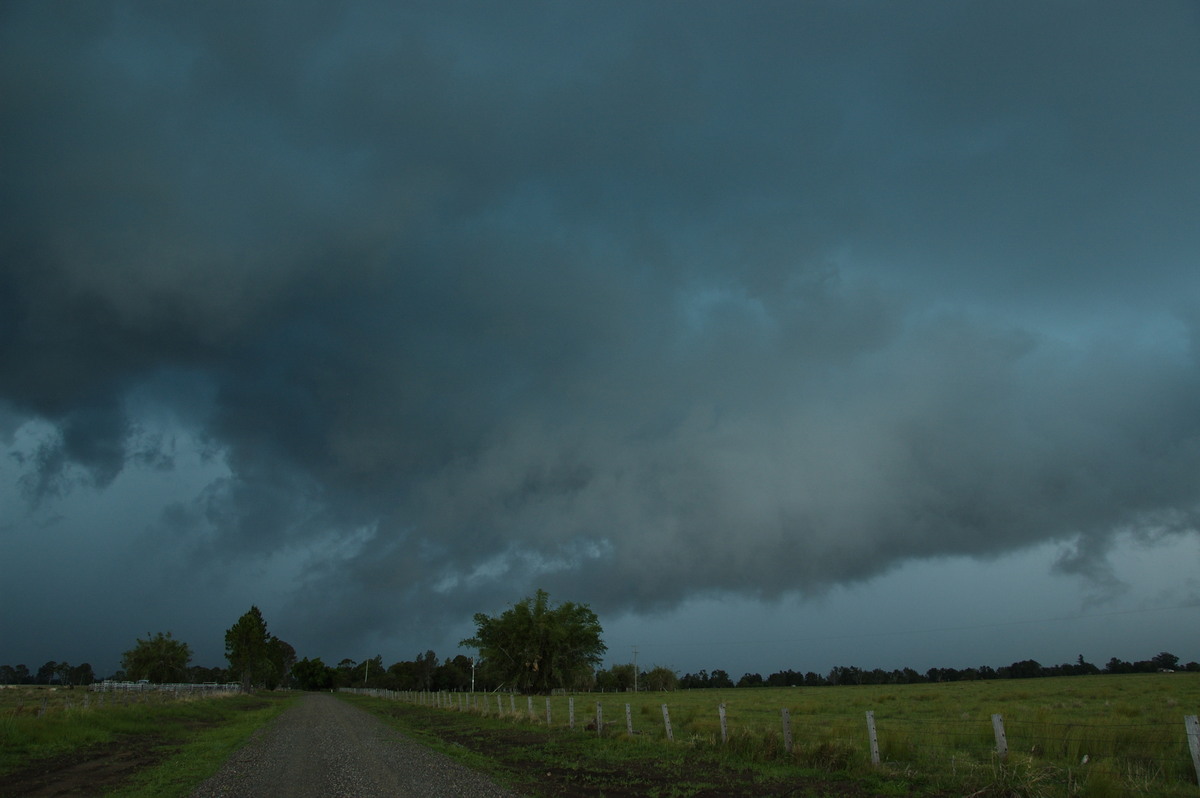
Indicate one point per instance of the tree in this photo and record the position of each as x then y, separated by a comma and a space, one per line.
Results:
247, 651
720, 679
536, 647
343, 674
403, 675
368, 673
1118, 666
62, 672
1025, 669
281, 657
617, 679
453, 674
425, 665
1165, 661
160, 658
660, 678
312, 674
47, 672
82, 674
198, 674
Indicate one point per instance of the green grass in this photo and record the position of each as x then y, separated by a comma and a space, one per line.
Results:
189, 738
202, 752
1088, 736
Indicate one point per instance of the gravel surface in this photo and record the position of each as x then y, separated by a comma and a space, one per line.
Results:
324, 747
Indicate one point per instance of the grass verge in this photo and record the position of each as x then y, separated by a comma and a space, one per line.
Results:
139, 749
202, 751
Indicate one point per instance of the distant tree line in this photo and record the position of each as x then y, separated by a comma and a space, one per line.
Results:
52, 672
844, 675
534, 646
423, 672
256, 659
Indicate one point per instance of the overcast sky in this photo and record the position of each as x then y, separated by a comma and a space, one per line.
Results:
785, 335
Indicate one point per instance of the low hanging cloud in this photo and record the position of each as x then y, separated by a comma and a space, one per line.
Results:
715, 298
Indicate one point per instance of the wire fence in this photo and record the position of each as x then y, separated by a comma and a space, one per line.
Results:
1138, 755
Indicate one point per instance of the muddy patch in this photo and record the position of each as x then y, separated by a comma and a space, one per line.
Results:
89, 772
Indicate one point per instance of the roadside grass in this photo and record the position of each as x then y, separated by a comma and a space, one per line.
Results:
1081, 736
200, 752
190, 737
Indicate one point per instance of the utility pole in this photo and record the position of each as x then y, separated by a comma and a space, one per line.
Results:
472, 674
635, 684
366, 670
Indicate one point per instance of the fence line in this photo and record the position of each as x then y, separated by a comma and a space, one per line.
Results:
110, 694
1155, 750
109, 686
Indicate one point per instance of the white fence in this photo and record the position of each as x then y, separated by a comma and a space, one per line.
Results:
208, 688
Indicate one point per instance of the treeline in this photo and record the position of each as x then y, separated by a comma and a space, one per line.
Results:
843, 675
256, 659
423, 672
63, 673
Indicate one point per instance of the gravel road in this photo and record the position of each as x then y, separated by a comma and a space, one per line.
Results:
324, 748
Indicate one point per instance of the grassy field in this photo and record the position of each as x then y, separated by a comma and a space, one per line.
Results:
129, 745
1089, 735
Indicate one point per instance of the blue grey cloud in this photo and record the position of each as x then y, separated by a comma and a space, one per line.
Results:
636, 303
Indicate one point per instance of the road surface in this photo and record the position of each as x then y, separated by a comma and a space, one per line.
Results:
324, 748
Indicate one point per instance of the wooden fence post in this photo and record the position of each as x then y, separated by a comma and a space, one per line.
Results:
873, 737
529, 704
571, 712
1192, 723
547, 712
724, 728
787, 730
1001, 740
599, 719
628, 720
667, 722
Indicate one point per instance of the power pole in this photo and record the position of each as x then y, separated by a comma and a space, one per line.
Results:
635, 679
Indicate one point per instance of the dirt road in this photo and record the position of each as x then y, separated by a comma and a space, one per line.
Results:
325, 748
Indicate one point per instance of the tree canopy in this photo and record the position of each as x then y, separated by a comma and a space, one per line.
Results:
160, 658
536, 647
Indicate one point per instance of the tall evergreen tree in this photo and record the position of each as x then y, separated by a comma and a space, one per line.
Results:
246, 648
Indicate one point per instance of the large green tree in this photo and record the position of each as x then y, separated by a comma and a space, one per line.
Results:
536, 647
160, 658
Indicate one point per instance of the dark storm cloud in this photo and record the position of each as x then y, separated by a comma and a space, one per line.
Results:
638, 303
